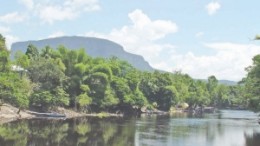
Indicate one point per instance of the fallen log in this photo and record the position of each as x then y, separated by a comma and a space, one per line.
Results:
47, 114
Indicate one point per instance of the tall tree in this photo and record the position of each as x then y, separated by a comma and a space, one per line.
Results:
212, 89
32, 52
252, 83
2, 43
4, 56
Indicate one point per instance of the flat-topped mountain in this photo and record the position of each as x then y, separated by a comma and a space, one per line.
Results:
95, 47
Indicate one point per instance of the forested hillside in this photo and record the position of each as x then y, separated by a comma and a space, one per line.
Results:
48, 77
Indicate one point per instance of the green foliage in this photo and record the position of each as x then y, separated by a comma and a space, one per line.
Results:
15, 90
198, 94
46, 98
42, 99
32, 52
61, 97
169, 97
5, 65
136, 99
21, 59
252, 83
63, 77
109, 99
98, 83
46, 74
212, 89
84, 100
103, 68
61, 65
254, 103
121, 88
2, 43
114, 64
80, 68
85, 88
46, 52
82, 56
133, 79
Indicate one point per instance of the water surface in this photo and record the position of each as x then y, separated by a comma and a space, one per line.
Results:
227, 128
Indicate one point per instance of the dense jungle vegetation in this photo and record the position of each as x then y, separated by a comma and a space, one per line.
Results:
51, 77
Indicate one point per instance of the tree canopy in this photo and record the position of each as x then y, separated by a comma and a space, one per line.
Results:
59, 76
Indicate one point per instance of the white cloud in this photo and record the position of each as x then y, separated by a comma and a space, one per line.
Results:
228, 62
57, 10
28, 3
199, 34
213, 7
4, 30
50, 14
56, 34
86, 5
141, 35
13, 17
10, 39
163, 65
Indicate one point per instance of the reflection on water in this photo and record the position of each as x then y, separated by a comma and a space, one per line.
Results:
236, 128
73, 132
228, 128
252, 139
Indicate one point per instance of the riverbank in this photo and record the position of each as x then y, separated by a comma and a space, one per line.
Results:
73, 114
9, 113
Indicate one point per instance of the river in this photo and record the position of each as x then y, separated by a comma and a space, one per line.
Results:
226, 128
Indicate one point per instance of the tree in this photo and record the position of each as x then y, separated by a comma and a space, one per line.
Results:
169, 97
136, 98
84, 99
21, 60
121, 88
5, 65
2, 43
46, 52
109, 99
64, 77
60, 98
198, 94
32, 52
15, 90
103, 68
252, 83
114, 64
49, 78
4, 56
212, 89
182, 83
98, 83
222, 95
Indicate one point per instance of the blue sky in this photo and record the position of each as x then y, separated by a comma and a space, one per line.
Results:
198, 37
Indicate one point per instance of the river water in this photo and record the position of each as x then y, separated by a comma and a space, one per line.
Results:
227, 128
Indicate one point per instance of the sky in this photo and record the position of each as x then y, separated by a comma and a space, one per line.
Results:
197, 37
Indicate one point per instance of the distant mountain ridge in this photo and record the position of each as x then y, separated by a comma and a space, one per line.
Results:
228, 82
95, 47
224, 82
